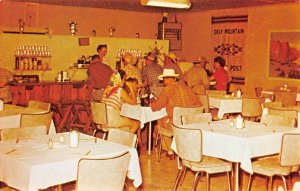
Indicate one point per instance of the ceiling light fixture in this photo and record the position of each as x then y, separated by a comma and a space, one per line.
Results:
178, 4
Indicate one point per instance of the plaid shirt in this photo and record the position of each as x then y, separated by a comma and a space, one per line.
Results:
175, 95
151, 72
5, 77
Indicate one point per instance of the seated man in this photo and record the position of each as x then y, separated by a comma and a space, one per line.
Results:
174, 94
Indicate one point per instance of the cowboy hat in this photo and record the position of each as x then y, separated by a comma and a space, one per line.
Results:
172, 56
168, 73
200, 59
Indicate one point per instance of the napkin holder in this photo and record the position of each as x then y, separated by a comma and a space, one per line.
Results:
239, 94
74, 139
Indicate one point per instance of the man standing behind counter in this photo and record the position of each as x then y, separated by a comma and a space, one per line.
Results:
99, 75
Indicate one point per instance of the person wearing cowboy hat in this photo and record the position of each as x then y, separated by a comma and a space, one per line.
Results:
171, 63
196, 77
174, 94
130, 69
203, 61
151, 71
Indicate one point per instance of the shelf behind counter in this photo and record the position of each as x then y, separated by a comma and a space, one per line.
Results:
49, 91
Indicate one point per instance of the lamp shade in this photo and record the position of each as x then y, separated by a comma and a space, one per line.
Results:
178, 4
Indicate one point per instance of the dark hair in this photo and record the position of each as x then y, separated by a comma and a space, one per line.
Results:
101, 46
122, 73
95, 56
131, 80
220, 60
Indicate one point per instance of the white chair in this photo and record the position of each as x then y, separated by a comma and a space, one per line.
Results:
178, 112
99, 117
199, 118
251, 107
39, 105
282, 165
270, 120
189, 149
122, 137
107, 174
22, 133
36, 119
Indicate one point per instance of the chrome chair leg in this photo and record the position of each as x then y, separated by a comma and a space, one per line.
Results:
179, 175
249, 182
271, 182
183, 177
95, 132
159, 148
195, 181
229, 180
208, 182
285, 184
267, 183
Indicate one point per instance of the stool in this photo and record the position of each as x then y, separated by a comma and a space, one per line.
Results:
81, 116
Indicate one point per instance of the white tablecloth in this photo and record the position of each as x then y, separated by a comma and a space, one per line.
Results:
240, 145
225, 104
11, 115
143, 114
33, 166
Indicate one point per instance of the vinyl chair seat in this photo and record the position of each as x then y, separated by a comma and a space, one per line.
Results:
271, 166
210, 165
165, 131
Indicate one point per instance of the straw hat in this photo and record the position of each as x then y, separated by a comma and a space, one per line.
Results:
172, 56
168, 73
130, 59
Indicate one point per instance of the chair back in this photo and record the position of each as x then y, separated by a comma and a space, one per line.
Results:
205, 102
122, 137
29, 120
21, 133
200, 118
39, 105
178, 112
102, 173
99, 113
251, 107
188, 143
288, 98
215, 92
290, 147
285, 112
277, 120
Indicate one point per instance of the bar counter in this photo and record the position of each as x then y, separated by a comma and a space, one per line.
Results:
49, 91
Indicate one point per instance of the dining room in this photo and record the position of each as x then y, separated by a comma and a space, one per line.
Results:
149, 95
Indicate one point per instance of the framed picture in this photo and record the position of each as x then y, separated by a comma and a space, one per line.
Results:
284, 55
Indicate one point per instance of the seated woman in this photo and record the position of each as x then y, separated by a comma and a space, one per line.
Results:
115, 95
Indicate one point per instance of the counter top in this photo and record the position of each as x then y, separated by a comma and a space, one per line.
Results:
50, 83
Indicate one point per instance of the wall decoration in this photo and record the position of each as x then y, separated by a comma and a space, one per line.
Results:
284, 55
228, 40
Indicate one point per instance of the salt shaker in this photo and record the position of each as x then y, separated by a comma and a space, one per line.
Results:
62, 139
50, 144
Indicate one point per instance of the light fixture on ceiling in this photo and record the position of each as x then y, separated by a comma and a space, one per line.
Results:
178, 4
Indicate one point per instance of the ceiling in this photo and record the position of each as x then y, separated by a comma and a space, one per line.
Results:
134, 5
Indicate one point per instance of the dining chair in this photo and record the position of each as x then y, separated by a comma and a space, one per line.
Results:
282, 165
288, 98
200, 118
189, 149
39, 105
29, 120
99, 117
252, 107
277, 120
178, 112
109, 173
22, 133
122, 137
205, 102
258, 91
285, 112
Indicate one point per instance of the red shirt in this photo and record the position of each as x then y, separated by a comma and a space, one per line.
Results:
221, 77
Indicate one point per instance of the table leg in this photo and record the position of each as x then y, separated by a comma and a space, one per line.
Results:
236, 176
149, 138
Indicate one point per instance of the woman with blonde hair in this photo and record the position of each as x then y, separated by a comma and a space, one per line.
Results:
114, 96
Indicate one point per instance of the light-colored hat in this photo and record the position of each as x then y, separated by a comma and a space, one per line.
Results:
168, 73
172, 56
130, 59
